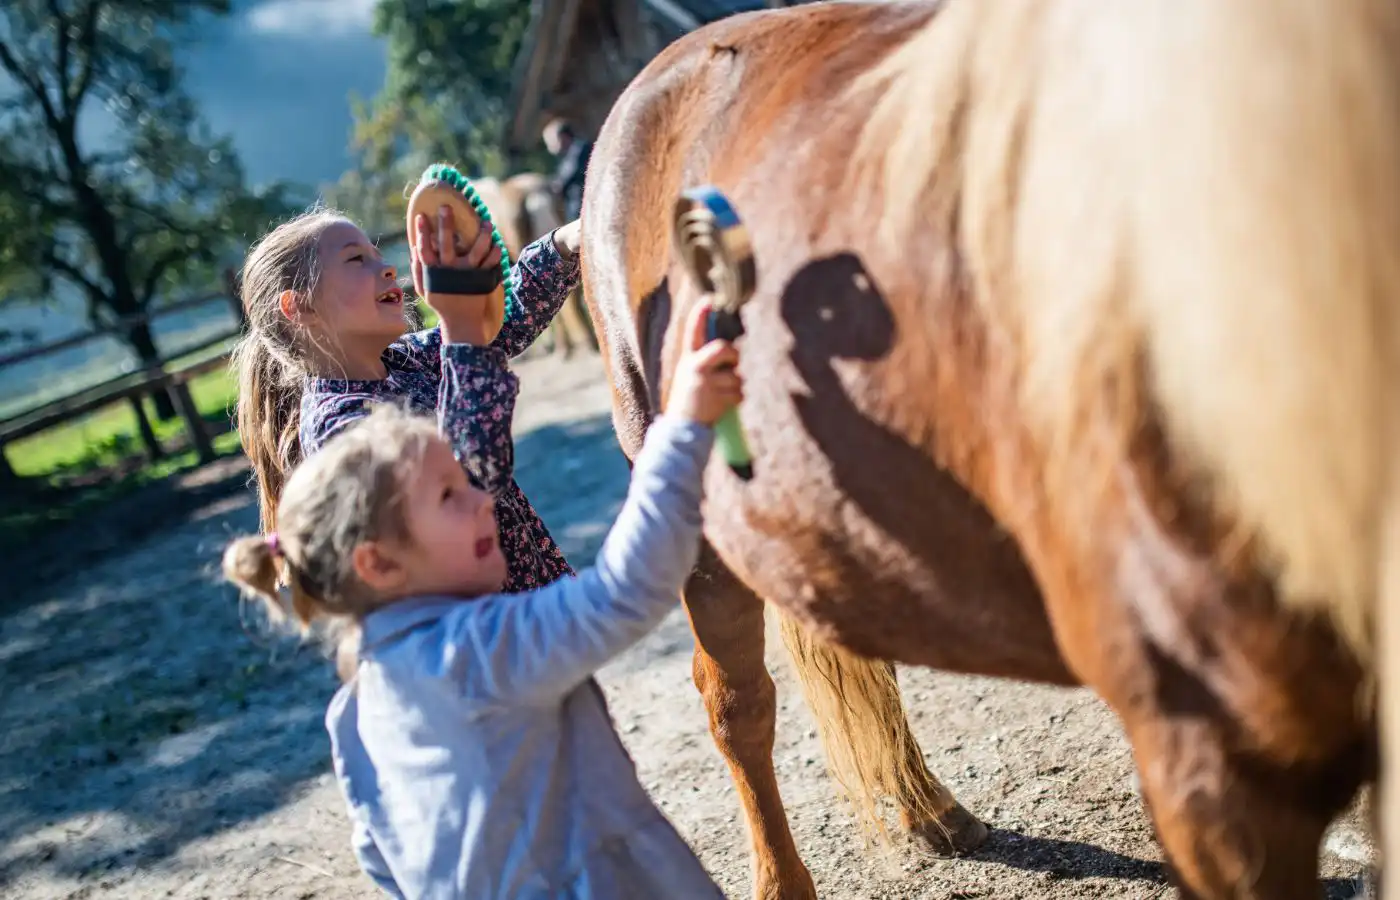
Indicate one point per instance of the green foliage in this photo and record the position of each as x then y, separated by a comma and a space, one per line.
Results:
458, 47
447, 89
109, 179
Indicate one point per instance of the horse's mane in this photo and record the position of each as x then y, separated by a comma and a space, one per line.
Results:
1196, 198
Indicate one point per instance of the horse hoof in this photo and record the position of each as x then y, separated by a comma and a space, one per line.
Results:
799, 886
957, 833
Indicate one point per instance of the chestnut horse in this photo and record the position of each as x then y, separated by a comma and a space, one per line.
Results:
1069, 361
524, 208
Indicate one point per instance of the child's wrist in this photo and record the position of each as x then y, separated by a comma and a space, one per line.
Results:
566, 239
472, 333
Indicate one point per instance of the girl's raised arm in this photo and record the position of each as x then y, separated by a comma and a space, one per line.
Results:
476, 405
537, 646
543, 279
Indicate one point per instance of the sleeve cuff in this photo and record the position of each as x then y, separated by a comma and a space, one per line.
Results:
474, 356
682, 433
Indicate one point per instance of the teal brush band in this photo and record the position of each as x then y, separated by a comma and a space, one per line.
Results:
463, 185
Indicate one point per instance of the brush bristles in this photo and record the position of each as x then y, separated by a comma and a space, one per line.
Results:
445, 174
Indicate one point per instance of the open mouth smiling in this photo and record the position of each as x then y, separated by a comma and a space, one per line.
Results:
392, 296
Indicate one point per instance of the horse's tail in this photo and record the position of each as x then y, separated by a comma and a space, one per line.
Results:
870, 751
1226, 225
1272, 327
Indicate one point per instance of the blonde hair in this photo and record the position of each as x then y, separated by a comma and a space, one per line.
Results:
349, 493
270, 358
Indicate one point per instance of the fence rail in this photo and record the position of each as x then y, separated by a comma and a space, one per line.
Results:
117, 328
132, 387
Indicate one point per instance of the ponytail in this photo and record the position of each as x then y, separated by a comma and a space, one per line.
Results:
252, 564
269, 417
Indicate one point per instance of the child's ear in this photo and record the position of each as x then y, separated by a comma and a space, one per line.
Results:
291, 309
378, 568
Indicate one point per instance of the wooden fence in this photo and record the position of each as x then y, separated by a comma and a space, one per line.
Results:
172, 373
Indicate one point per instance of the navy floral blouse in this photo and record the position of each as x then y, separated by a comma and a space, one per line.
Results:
472, 391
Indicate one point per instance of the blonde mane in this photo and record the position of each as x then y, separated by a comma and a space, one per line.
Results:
1204, 192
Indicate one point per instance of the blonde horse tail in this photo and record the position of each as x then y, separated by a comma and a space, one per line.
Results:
870, 750
1263, 277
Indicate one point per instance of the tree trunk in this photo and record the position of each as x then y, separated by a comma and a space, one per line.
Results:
140, 339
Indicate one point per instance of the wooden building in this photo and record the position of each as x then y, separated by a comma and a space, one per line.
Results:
578, 55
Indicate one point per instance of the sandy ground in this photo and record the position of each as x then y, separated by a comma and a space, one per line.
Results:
154, 742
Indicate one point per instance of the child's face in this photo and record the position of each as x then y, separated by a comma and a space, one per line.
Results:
358, 301
453, 542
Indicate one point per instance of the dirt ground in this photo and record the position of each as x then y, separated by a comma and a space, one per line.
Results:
154, 742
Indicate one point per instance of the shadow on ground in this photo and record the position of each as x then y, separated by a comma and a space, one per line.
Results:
1076, 860
143, 709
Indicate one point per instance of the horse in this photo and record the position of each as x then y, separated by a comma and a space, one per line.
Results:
524, 208
1068, 361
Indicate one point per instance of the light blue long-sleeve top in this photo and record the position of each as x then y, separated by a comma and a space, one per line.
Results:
475, 750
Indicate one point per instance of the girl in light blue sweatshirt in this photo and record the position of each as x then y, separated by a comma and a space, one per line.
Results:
472, 744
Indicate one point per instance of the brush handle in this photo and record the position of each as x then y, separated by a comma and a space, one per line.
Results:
730, 439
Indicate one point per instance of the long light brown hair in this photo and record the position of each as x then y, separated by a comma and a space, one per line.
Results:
270, 358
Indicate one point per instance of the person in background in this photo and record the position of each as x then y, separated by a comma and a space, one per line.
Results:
572, 152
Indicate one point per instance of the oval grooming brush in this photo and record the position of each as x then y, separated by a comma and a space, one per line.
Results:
442, 185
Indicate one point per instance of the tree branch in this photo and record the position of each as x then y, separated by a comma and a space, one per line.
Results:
87, 41
11, 64
64, 45
159, 268
73, 273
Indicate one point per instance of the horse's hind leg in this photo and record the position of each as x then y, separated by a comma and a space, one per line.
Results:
1244, 722
1236, 829
742, 703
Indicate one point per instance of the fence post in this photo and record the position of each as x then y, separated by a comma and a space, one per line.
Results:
154, 451
194, 422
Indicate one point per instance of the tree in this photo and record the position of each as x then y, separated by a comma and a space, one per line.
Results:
448, 83
369, 198
153, 201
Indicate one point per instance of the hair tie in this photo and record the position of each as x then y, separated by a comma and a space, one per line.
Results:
274, 546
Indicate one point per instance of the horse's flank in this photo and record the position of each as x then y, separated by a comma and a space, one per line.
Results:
1178, 199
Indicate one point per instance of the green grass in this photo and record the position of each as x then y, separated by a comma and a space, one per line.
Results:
21, 521
89, 462
83, 465
110, 436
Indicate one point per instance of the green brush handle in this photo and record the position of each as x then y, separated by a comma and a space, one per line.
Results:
733, 446
730, 439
